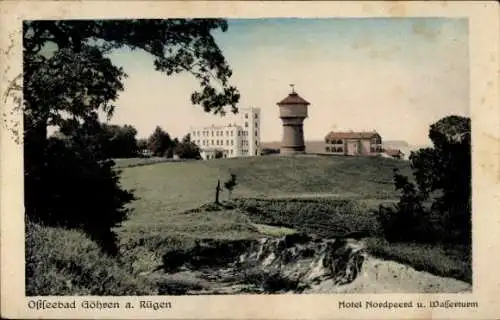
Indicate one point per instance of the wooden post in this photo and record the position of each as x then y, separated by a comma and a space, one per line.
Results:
217, 191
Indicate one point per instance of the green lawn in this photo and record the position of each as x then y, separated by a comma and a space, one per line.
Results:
165, 188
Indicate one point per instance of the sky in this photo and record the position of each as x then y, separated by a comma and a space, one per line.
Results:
393, 75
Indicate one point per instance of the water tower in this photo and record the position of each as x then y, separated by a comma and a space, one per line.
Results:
293, 111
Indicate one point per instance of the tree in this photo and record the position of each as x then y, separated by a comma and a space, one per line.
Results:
186, 149
159, 142
81, 180
230, 184
68, 79
438, 204
142, 144
121, 141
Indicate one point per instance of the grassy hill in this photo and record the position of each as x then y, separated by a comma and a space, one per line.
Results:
168, 187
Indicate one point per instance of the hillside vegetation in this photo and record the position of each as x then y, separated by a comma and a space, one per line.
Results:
179, 186
67, 262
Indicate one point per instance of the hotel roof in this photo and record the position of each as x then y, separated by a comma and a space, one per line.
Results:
351, 135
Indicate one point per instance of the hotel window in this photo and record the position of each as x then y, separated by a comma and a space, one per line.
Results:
212, 142
227, 142
231, 133
212, 133
231, 151
256, 116
246, 115
256, 125
232, 142
239, 133
327, 149
256, 133
246, 124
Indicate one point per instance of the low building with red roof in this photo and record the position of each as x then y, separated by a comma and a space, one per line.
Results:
352, 143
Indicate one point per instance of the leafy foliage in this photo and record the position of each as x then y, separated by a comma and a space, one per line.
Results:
82, 188
437, 207
159, 142
186, 149
114, 140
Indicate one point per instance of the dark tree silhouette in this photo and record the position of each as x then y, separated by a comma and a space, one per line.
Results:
186, 149
437, 206
159, 142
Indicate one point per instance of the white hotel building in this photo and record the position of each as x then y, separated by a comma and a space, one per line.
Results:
240, 139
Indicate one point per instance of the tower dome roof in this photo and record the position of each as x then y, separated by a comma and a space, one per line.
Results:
293, 98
